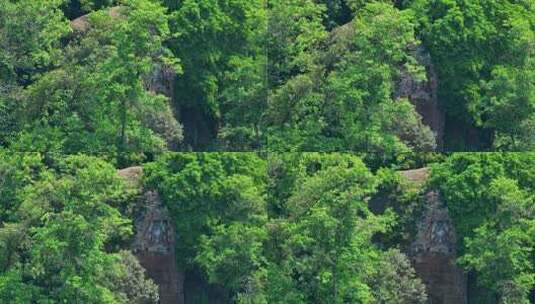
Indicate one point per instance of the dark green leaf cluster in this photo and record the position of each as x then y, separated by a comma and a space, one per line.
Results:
60, 220
491, 199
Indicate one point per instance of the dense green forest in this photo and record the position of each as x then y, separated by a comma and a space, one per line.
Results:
267, 151
145, 76
278, 228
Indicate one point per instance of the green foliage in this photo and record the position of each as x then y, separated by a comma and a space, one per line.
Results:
218, 203
223, 55
490, 197
464, 180
328, 240
16, 171
30, 33
14, 290
281, 76
404, 198
322, 236
342, 99
129, 283
502, 248
395, 280
52, 243
484, 56
295, 31
95, 100
76, 8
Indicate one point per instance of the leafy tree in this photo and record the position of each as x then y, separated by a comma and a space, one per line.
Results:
16, 171
481, 50
395, 280
295, 31
322, 248
404, 198
218, 203
490, 198
507, 105
30, 33
502, 248
129, 283
96, 101
345, 100
54, 244
223, 54
464, 180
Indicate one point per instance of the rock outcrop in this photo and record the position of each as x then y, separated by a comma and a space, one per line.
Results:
416, 176
423, 94
434, 252
160, 80
154, 243
82, 23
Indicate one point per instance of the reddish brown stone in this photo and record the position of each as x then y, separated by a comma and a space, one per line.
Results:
154, 245
434, 254
162, 269
444, 281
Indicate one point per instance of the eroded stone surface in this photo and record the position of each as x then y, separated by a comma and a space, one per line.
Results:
154, 243
132, 175
417, 176
423, 94
434, 254
82, 23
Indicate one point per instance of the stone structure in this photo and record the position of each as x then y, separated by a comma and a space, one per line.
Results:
436, 234
82, 23
433, 252
159, 80
416, 176
154, 243
423, 94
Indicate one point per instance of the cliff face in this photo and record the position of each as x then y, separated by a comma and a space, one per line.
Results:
434, 252
423, 94
434, 255
154, 243
160, 80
